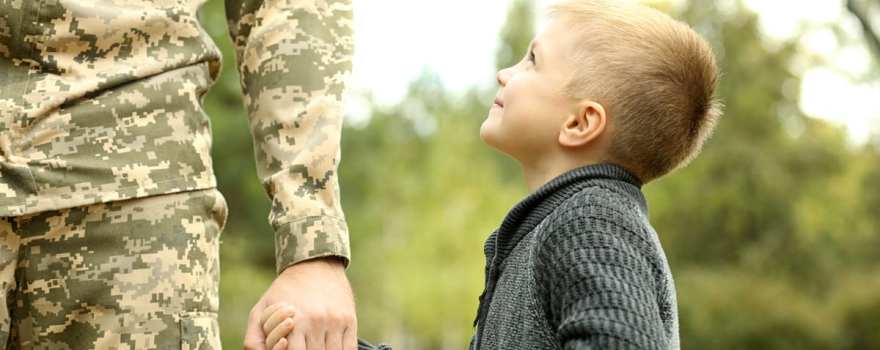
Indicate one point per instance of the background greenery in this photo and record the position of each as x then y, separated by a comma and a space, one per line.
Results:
772, 234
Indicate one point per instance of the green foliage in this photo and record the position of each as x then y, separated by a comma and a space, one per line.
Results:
419, 211
772, 233
517, 35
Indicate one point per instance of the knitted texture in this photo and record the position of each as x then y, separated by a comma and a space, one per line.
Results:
577, 265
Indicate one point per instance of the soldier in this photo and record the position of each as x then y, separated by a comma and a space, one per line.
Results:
109, 214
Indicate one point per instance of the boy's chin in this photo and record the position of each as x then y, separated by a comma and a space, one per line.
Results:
487, 134
490, 138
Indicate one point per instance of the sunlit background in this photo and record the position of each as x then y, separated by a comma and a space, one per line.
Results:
400, 40
773, 233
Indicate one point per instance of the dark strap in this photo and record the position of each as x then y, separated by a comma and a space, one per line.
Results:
363, 345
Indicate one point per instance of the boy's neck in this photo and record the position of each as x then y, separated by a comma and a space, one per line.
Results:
542, 171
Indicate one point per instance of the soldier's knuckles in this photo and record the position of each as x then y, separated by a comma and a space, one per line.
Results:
339, 319
318, 317
349, 319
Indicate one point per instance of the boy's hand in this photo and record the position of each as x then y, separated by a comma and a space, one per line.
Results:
277, 323
324, 308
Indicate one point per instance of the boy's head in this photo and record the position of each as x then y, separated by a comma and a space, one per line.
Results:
607, 82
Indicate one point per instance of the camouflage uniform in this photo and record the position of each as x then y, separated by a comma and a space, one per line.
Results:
101, 119
137, 274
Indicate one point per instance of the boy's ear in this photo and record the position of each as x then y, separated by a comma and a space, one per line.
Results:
583, 126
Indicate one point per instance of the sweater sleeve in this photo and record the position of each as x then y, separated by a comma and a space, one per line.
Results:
596, 273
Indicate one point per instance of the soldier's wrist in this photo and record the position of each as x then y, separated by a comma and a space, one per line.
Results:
321, 265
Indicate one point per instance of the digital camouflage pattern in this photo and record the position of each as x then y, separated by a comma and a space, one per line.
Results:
101, 102
135, 274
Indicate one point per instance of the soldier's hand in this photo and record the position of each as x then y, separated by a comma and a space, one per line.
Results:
324, 317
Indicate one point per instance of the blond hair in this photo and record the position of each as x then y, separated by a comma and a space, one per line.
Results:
655, 76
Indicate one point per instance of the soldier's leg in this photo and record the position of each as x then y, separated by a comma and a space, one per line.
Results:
8, 258
136, 274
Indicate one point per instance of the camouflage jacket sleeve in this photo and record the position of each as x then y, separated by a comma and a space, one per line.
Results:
294, 57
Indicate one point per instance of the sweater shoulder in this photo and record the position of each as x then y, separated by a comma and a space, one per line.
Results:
598, 202
598, 222
603, 193
594, 260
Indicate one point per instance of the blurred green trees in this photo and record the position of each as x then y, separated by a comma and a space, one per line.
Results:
772, 233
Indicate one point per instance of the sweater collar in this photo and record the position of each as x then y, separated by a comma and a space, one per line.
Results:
529, 212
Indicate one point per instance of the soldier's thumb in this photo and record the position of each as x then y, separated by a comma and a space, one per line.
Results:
254, 339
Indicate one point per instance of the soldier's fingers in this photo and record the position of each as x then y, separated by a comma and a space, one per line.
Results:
349, 339
315, 338
253, 336
296, 340
276, 318
281, 344
278, 333
333, 340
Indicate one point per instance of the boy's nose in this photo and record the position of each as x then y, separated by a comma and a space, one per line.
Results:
503, 76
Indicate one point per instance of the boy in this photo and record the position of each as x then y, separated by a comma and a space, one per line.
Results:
609, 96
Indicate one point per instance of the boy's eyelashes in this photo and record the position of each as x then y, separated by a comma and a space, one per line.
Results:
530, 58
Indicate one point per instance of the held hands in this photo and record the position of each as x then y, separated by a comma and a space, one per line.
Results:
277, 323
309, 306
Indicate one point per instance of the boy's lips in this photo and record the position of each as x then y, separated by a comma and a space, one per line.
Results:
499, 103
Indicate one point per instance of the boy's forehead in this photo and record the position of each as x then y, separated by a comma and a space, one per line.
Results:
554, 37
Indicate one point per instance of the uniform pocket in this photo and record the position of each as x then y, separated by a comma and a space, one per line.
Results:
220, 210
199, 330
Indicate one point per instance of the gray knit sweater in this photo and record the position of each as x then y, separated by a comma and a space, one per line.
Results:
576, 265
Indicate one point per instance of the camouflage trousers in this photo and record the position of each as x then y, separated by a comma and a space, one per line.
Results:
134, 274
